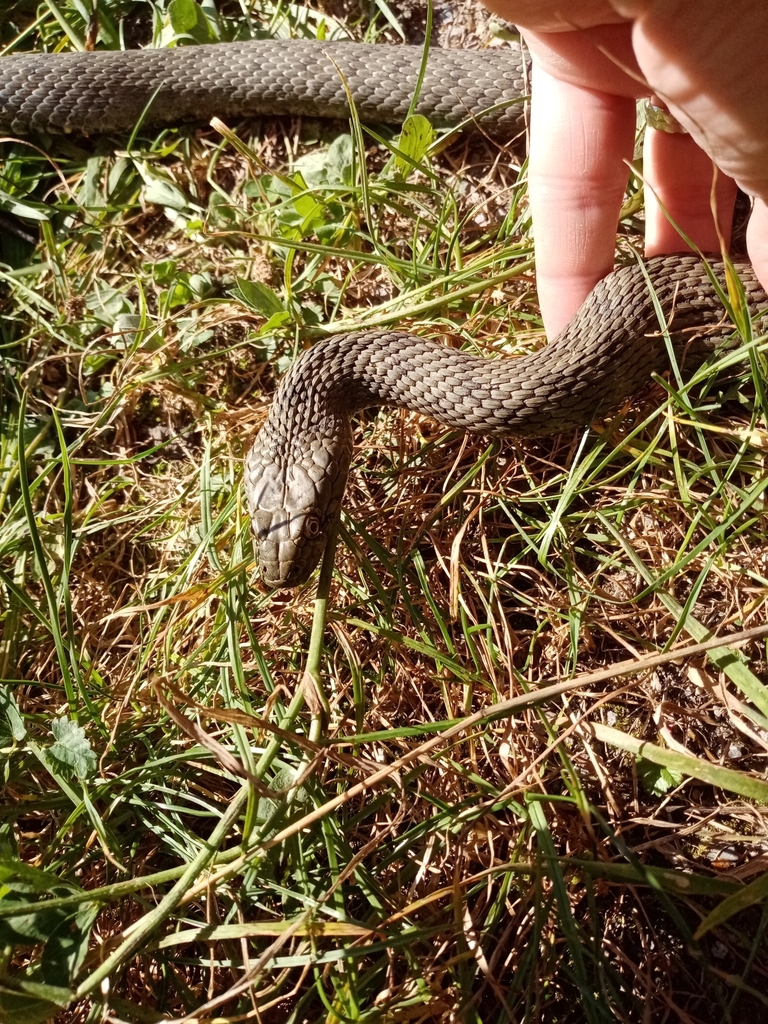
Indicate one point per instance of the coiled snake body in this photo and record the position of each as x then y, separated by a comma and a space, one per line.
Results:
296, 471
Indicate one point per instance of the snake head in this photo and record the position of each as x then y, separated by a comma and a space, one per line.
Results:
294, 490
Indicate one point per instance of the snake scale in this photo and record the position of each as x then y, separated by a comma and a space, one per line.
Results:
296, 471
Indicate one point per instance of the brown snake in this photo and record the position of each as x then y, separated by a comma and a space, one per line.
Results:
296, 471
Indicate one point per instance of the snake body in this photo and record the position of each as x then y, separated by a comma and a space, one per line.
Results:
296, 471
113, 90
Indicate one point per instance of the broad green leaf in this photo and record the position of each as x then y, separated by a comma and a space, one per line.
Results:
163, 193
127, 329
107, 303
310, 211
6, 736
31, 928
163, 272
31, 1003
187, 18
415, 139
20, 877
341, 160
67, 945
71, 751
656, 779
331, 166
296, 210
179, 294
276, 320
201, 284
183, 15
8, 707
259, 297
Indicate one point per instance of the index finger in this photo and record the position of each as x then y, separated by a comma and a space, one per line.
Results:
581, 141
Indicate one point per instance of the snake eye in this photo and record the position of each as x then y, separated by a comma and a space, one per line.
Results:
311, 526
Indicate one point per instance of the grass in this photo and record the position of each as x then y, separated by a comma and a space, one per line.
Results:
527, 780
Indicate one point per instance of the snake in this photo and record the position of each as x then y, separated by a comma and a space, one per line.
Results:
296, 470
108, 91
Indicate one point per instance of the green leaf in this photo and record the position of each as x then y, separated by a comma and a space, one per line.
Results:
415, 139
750, 786
276, 320
63, 931
6, 736
296, 210
179, 294
341, 160
163, 193
20, 877
201, 284
107, 303
183, 15
331, 166
259, 297
755, 892
657, 779
31, 1003
310, 211
67, 945
16, 728
23, 208
128, 329
188, 18
72, 750
31, 928
163, 272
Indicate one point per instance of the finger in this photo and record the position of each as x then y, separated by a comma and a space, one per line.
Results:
757, 241
597, 58
707, 61
679, 193
580, 140
555, 15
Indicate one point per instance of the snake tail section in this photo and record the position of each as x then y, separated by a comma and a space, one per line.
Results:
296, 471
114, 90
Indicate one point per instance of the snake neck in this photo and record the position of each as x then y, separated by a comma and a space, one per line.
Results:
609, 349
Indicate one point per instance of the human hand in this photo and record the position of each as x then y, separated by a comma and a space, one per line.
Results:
708, 63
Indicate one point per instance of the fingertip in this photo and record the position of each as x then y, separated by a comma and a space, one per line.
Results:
581, 141
560, 296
